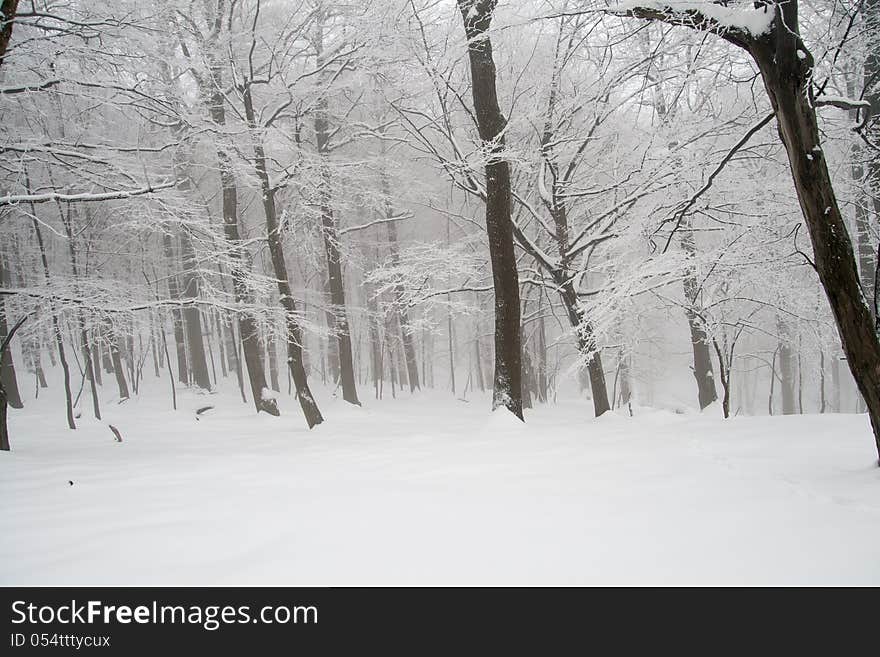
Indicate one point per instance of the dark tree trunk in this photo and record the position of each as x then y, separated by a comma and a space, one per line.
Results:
232, 348
786, 66
176, 313
507, 387
7, 366
247, 327
97, 350
586, 346
276, 250
871, 14
38, 367
7, 12
66, 221
90, 369
192, 316
330, 233
117, 363
4, 428
56, 328
4, 349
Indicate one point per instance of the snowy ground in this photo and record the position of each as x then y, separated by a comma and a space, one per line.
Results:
431, 490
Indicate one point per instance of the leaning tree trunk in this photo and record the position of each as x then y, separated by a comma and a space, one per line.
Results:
276, 251
477, 17
587, 347
247, 326
786, 66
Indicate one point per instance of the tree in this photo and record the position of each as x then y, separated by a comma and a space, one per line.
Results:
771, 35
507, 391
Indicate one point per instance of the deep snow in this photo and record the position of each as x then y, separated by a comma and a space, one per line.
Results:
431, 490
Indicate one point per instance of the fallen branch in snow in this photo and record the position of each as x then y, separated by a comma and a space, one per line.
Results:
118, 436
203, 409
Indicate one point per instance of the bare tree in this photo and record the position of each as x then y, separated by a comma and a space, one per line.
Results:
507, 391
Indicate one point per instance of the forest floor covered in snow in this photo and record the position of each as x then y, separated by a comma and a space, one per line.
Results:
431, 490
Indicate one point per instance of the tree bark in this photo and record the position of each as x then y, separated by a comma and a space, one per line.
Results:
4, 349
7, 365
7, 14
117, 363
702, 368
330, 233
507, 390
272, 357
276, 250
192, 316
406, 336
56, 328
176, 314
247, 326
786, 67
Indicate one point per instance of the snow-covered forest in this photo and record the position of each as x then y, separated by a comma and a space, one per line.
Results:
438, 291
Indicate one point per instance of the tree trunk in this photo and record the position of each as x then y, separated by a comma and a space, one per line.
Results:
276, 250
272, 357
702, 368
331, 236
786, 371
56, 328
507, 389
247, 326
176, 314
191, 315
7, 365
786, 67
586, 346
117, 365
406, 336
409, 349
97, 350
7, 12
375, 343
